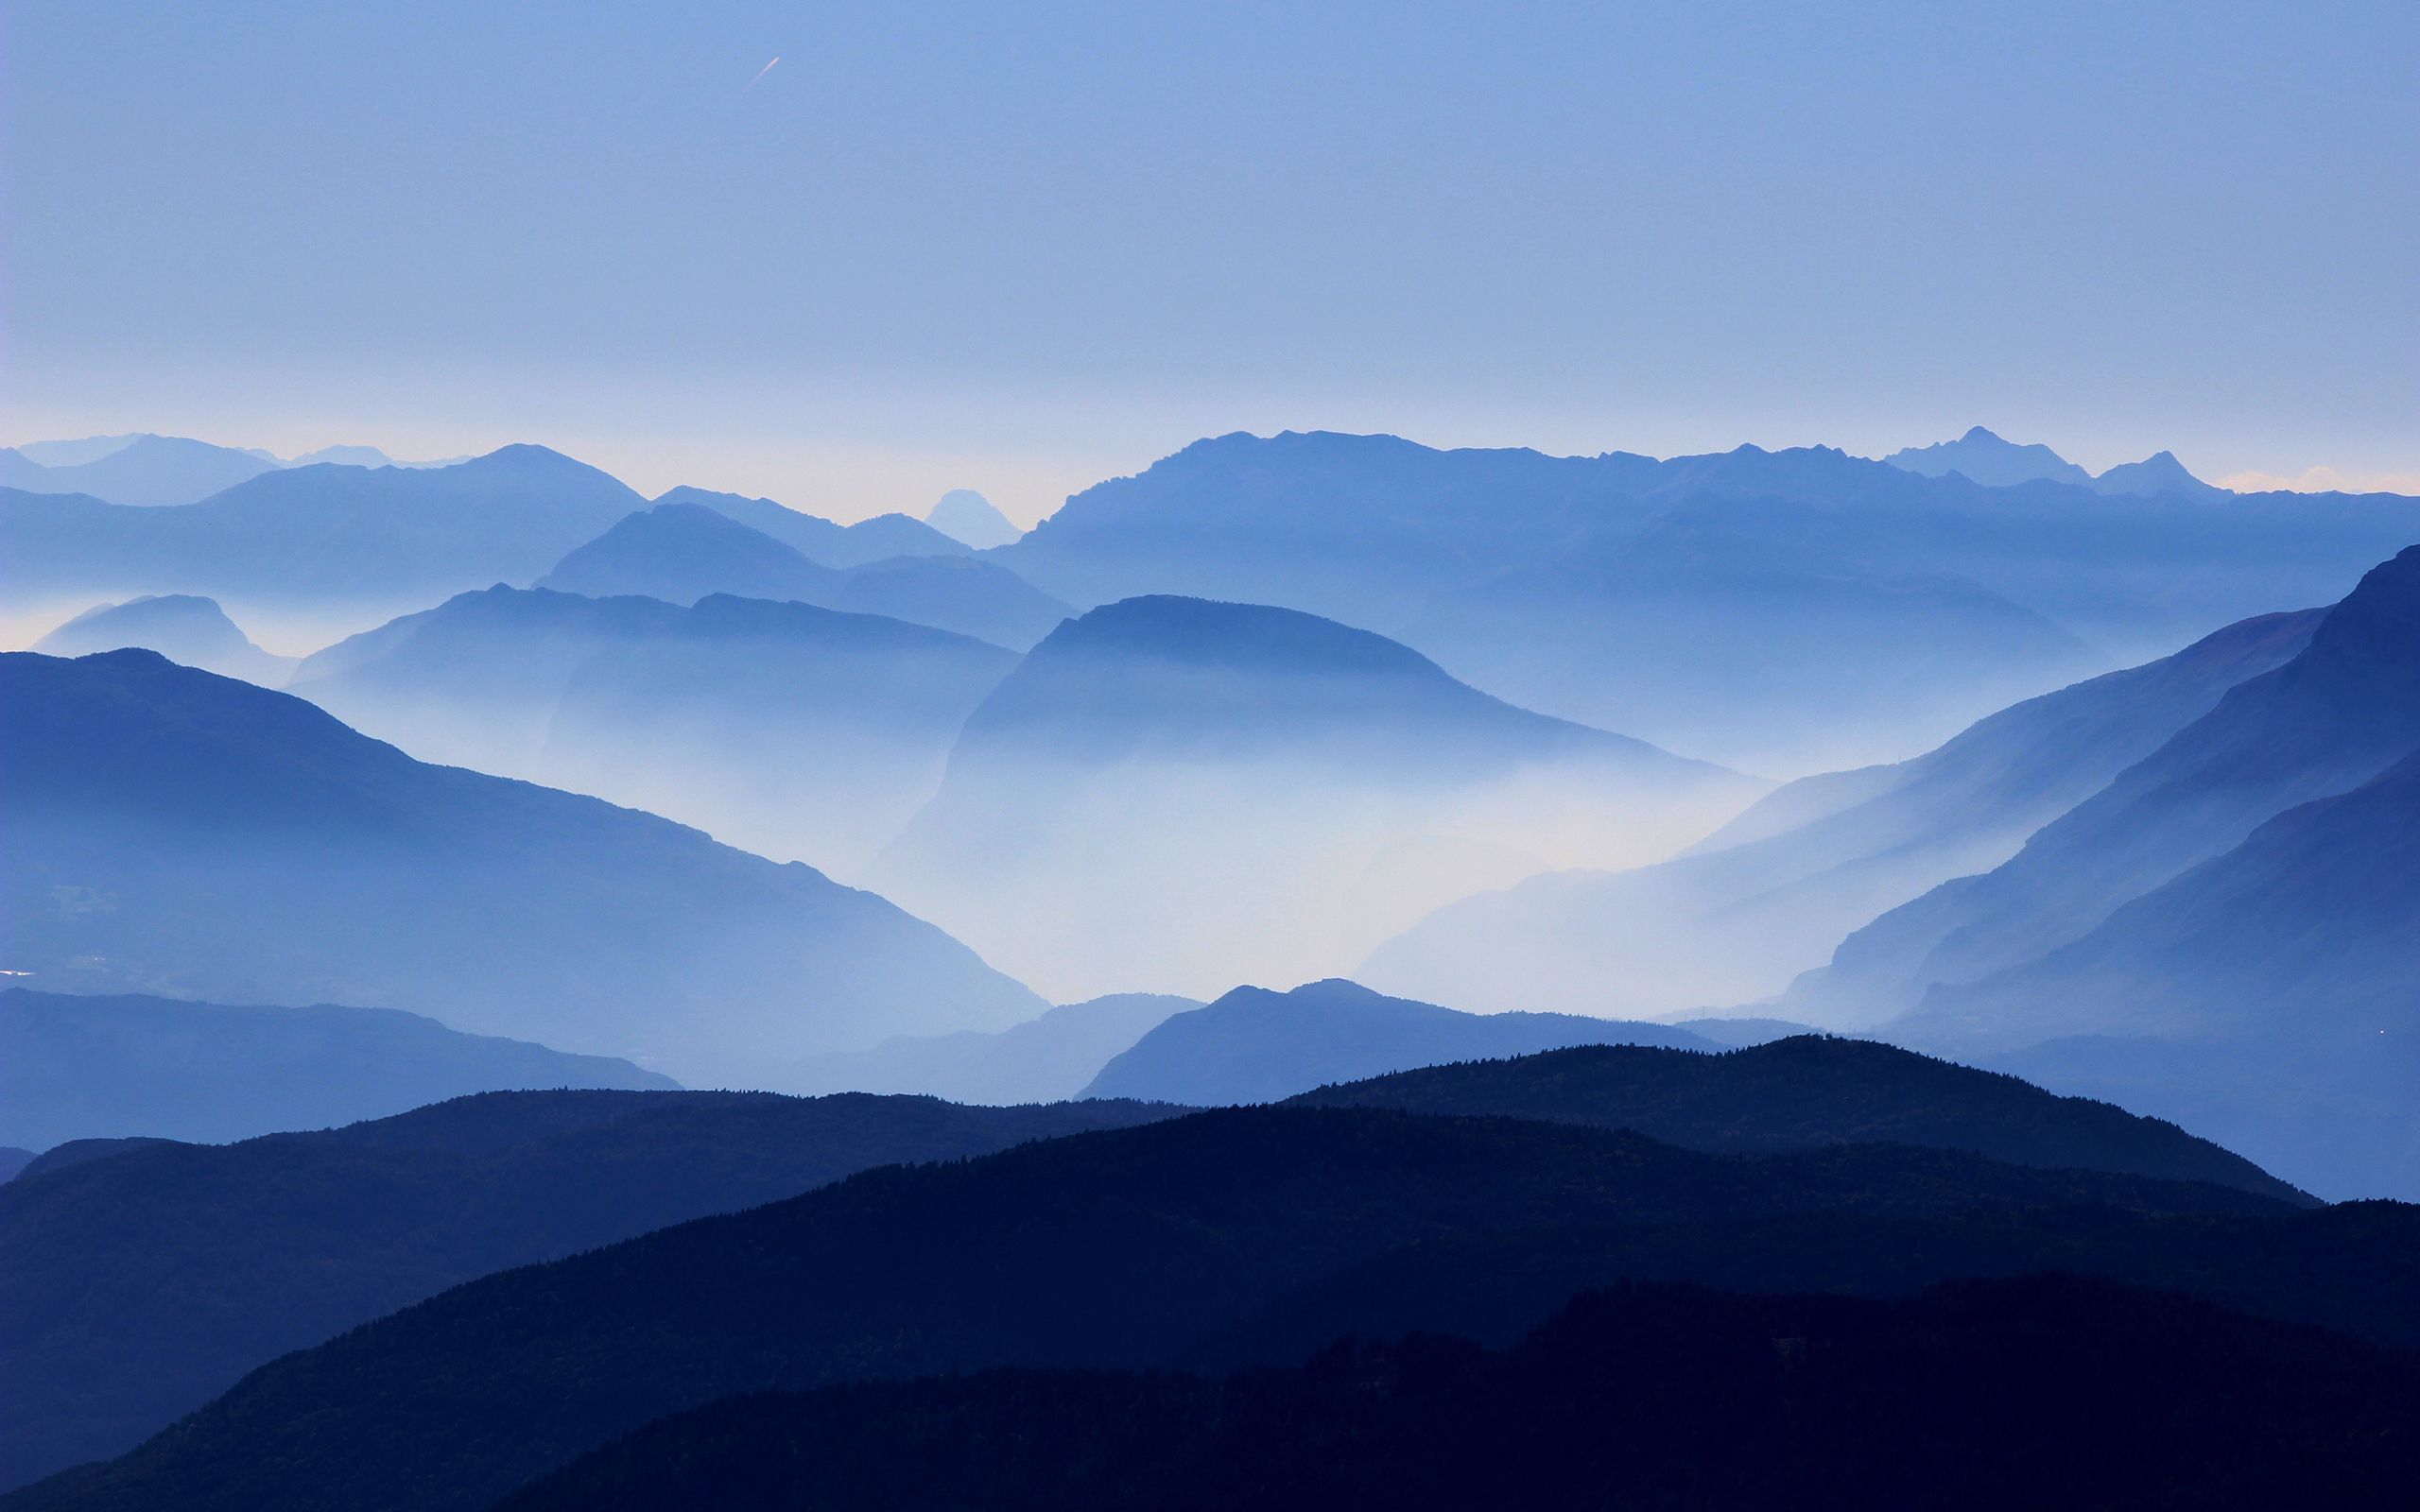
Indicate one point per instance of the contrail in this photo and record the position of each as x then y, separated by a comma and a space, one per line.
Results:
760, 73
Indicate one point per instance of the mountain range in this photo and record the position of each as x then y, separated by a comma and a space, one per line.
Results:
1773, 892
1987, 459
80, 1067
173, 831
1171, 793
1041, 1060
143, 1283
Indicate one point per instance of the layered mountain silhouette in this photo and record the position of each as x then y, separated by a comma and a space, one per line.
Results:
355, 542
1169, 793
1987, 459
142, 1284
821, 541
1041, 1060
682, 552
2033, 1393
173, 831
143, 470
180, 627
1773, 892
796, 732
965, 515
1256, 1046
1138, 1247
2340, 711
87, 1067
1770, 608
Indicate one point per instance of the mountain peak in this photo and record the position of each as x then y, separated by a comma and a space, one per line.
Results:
1985, 457
966, 516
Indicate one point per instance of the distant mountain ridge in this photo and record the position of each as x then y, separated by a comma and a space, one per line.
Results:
966, 516
176, 831
1985, 459
180, 627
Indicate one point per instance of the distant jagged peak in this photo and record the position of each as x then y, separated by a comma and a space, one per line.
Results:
966, 516
2158, 474
1984, 457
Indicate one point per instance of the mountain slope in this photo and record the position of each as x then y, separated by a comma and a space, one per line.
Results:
1775, 892
1257, 1046
681, 552
142, 1286
963, 593
2346, 708
85, 1067
179, 626
1171, 793
1117, 1248
1805, 1092
966, 516
821, 541
1041, 1060
2044, 1392
173, 830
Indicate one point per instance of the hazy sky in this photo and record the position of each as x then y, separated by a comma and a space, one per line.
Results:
1020, 248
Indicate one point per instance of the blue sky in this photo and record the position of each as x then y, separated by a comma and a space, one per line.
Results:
1022, 248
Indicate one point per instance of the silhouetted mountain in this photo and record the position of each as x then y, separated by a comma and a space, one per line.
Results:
12, 1160
1987, 459
1786, 609
2266, 995
682, 552
2340, 712
2025, 1394
142, 1285
179, 626
146, 470
175, 831
76, 1152
323, 537
1038, 1061
1171, 793
1122, 1250
965, 515
77, 1067
1775, 892
1806, 1091
743, 716
1257, 1046
819, 539
77, 451
2159, 473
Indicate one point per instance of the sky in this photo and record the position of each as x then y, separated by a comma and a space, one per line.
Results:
1021, 249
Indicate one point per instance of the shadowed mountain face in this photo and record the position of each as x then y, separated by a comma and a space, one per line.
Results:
142, 1284
2340, 712
74, 1068
176, 832
819, 539
1041, 1060
1772, 893
1257, 1046
965, 515
345, 543
2266, 995
1171, 793
146, 470
2046, 1392
796, 732
1788, 609
1121, 1248
179, 626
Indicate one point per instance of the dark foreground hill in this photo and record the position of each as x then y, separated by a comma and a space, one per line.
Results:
140, 1284
1802, 1092
2020, 1395
1257, 1046
80, 1068
1128, 1248
174, 832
